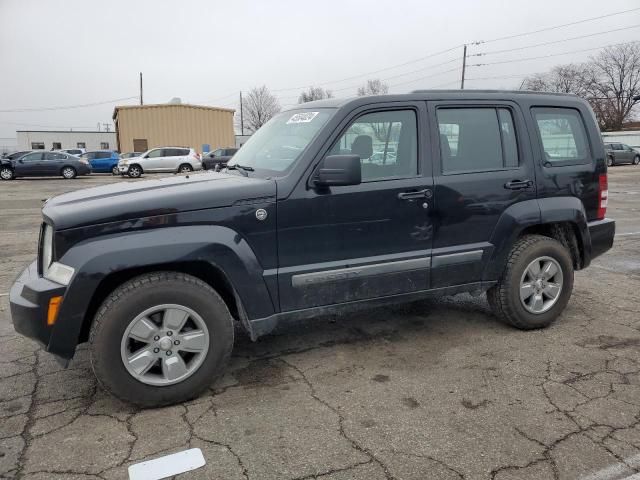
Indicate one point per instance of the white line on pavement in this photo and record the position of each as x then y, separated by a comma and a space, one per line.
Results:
614, 471
627, 234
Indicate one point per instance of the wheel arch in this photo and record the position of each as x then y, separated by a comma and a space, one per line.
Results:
104, 263
561, 218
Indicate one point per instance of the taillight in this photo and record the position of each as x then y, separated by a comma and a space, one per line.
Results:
603, 195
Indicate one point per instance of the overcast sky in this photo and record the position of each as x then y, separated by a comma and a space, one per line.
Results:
70, 52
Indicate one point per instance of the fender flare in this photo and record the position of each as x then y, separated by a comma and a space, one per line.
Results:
515, 219
97, 258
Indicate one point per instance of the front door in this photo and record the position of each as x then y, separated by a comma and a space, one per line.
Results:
154, 160
350, 243
30, 165
485, 166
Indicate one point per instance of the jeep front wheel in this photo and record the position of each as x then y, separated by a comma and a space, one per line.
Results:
536, 284
160, 338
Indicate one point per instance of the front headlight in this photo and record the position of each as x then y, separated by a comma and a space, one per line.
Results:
123, 162
85, 161
46, 248
54, 271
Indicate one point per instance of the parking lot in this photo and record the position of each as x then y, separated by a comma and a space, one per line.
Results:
434, 390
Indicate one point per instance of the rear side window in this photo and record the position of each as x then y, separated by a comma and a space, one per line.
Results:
477, 139
563, 136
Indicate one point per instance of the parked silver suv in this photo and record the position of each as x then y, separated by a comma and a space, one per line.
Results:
162, 159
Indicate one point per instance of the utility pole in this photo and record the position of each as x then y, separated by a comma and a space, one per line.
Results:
241, 116
464, 66
141, 102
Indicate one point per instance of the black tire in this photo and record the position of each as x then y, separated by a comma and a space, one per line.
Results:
68, 173
132, 298
185, 168
114, 170
610, 162
504, 298
636, 160
135, 171
6, 173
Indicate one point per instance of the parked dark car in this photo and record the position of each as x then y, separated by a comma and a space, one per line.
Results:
476, 195
618, 153
15, 155
218, 157
44, 164
103, 161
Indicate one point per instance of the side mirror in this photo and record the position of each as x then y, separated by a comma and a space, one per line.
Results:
338, 170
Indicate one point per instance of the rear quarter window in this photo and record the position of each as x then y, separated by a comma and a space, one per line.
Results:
563, 136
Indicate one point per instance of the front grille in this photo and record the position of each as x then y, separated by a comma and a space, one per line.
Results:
40, 242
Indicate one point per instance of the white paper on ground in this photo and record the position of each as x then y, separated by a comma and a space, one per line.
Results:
167, 466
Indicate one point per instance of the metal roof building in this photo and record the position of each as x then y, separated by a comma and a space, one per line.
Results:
141, 127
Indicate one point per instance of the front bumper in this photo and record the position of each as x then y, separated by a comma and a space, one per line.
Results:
123, 169
29, 301
602, 233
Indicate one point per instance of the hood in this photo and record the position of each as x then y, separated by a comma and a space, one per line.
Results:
129, 200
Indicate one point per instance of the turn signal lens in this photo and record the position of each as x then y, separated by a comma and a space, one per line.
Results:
54, 307
603, 196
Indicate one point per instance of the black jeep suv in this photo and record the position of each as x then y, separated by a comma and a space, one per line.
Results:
330, 206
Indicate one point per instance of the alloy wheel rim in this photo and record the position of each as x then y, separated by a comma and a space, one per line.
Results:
135, 172
6, 173
164, 345
185, 169
541, 285
67, 173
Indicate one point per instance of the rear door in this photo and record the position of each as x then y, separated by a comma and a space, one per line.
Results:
484, 166
52, 163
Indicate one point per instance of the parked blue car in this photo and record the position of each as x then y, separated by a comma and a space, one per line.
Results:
103, 161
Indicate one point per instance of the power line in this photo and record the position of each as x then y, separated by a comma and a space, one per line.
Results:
435, 54
550, 55
557, 26
492, 52
65, 107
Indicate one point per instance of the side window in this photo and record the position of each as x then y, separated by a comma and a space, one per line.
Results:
32, 157
563, 136
182, 152
477, 139
104, 145
103, 155
218, 153
54, 156
81, 145
387, 143
155, 153
171, 152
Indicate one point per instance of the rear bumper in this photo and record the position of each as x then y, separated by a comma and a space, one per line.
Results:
29, 301
602, 233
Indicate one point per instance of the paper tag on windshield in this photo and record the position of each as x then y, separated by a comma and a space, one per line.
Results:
305, 117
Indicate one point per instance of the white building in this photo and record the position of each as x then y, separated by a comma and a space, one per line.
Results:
55, 140
628, 137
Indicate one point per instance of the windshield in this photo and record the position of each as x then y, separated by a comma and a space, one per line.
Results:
276, 146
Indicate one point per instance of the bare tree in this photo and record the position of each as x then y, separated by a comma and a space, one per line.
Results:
259, 105
609, 81
314, 93
614, 83
571, 78
373, 87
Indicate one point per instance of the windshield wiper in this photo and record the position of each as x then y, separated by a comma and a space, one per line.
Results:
241, 168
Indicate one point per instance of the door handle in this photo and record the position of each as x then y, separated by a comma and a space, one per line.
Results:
415, 195
518, 184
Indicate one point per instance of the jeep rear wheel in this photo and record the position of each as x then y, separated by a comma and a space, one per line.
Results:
160, 338
536, 284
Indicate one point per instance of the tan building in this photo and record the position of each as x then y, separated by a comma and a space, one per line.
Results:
141, 127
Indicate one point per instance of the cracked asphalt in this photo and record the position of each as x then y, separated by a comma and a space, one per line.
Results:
432, 390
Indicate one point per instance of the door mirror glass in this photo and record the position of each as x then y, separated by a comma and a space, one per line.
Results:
338, 170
